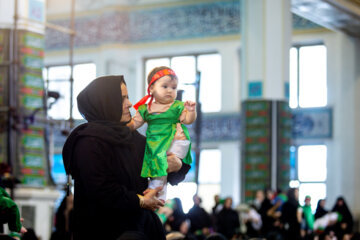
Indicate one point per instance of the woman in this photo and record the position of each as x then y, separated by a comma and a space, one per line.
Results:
105, 158
290, 216
345, 225
228, 220
320, 209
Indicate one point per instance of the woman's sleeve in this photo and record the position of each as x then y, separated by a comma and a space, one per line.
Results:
96, 174
175, 178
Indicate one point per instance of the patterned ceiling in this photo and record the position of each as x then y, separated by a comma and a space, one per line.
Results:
343, 15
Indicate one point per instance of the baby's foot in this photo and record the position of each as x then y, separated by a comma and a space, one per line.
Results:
146, 191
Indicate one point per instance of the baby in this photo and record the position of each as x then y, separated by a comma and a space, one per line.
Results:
166, 132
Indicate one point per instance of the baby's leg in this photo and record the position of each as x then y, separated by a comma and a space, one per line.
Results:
159, 182
180, 144
180, 148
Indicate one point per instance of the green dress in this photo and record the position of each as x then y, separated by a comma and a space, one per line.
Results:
159, 135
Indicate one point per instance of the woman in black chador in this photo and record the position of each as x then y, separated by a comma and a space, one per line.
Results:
105, 158
345, 225
320, 209
290, 215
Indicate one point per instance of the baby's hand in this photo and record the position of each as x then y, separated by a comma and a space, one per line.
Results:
190, 106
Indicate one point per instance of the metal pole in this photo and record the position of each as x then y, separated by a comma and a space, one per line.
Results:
274, 146
12, 103
71, 63
197, 127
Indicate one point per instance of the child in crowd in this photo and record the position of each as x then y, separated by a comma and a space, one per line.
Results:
166, 132
9, 213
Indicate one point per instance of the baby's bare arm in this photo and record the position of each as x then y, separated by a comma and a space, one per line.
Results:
131, 125
136, 122
189, 113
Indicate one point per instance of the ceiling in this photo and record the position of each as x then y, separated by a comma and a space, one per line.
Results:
343, 15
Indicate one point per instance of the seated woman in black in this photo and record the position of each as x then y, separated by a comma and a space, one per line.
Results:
345, 225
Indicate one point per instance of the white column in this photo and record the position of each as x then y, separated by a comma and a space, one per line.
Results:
356, 128
344, 152
230, 88
334, 166
31, 13
230, 171
42, 200
266, 40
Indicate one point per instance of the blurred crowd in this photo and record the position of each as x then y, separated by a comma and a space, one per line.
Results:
271, 215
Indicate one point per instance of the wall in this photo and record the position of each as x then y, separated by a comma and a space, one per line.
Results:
343, 84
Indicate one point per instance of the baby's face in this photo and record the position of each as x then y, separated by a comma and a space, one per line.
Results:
164, 90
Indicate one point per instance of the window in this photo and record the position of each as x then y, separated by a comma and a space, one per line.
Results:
312, 172
209, 177
58, 80
308, 85
209, 182
209, 65
210, 166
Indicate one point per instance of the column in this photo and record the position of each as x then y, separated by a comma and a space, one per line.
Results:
22, 55
266, 40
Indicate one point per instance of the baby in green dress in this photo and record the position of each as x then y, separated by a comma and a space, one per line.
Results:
166, 132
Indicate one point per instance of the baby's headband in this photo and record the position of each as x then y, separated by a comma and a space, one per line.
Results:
159, 74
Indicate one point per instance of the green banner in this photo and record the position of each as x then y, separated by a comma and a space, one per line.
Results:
32, 102
32, 62
32, 80
36, 181
33, 40
34, 142
258, 106
33, 160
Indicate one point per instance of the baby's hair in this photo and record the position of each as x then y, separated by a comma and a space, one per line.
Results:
155, 70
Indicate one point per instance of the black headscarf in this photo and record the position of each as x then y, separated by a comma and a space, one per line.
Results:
292, 198
320, 211
100, 103
178, 216
343, 210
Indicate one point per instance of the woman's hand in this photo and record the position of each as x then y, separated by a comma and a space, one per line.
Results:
150, 200
174, 163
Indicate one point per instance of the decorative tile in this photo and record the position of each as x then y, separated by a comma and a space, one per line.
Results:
300, 23
198, 20
312, 123
255, 89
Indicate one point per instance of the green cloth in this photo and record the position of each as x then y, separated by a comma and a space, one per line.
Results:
9, 212
159, 135
169, 204
309, 217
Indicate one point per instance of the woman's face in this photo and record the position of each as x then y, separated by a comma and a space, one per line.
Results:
126, 116
260, 195
164, 90
340, 202
296, 193
228, 203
